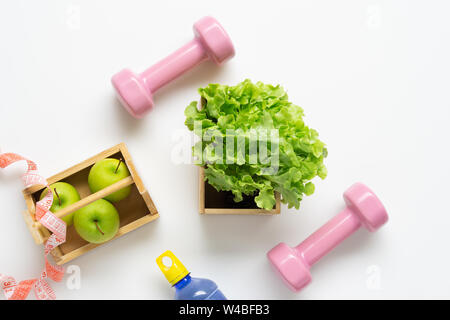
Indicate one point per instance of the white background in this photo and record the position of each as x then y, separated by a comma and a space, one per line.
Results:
372, 77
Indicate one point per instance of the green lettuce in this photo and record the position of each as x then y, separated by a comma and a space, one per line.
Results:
233, 119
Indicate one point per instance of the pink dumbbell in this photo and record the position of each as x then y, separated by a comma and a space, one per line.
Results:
363, 209
135, 91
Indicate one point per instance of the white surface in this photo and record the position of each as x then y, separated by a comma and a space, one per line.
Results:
372, 76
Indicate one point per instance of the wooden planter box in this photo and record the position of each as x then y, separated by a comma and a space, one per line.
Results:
213, 202
134, 211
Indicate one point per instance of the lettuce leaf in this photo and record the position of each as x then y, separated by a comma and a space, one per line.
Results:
235, 118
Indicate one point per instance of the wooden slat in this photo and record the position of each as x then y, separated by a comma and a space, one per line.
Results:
149, 202
239, 211
201, 176
35, 232
124, 230
137, 179
130, 165
30, 212
201, 190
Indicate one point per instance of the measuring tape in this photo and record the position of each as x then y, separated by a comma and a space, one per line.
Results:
42, 290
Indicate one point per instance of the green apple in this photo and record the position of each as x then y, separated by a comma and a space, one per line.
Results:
64, 195
107, 172
97, 222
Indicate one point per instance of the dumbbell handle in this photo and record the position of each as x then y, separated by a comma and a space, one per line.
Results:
328, 236
174, 65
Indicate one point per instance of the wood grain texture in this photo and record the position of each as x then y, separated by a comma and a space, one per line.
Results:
201, 190
38, 237
134, 211
122, 231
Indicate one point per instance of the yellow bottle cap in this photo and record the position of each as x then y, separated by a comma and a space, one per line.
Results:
172, 268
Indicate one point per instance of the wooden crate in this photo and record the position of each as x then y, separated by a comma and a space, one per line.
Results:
135, 210
212, 201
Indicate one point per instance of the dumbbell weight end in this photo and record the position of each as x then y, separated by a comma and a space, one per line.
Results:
363, 209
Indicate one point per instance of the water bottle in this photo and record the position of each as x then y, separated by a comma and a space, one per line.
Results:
187, 287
